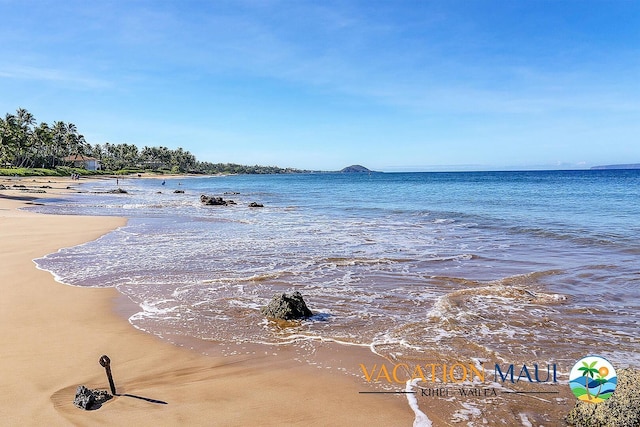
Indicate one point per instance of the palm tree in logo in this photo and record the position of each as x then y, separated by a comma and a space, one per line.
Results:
602, 374
588, 370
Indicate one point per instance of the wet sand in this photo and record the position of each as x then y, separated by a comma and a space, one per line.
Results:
53, 336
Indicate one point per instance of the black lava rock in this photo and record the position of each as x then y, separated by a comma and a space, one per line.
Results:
287, 307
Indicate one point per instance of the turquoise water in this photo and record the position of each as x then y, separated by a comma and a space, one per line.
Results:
512, 266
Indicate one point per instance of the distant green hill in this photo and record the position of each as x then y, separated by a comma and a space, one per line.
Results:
355, 169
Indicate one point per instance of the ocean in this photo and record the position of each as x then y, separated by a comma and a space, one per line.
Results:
513, 267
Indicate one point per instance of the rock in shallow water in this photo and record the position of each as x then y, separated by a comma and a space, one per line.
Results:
622, 409
287, 307
215, 201
118, 191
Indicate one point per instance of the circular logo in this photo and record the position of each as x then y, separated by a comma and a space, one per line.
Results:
593, 379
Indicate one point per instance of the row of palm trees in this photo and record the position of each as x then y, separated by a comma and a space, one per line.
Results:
25, 144
128, 156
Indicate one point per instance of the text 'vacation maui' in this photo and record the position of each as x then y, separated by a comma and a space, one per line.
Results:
459, 373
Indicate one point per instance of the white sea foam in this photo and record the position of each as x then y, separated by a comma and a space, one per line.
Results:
421, 419
524, 420
468, 412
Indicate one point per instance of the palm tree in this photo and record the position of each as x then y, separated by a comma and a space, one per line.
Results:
59, 140
42, 144
72, 139
96, 151
24, 121
588, 370
601, 380
7, 139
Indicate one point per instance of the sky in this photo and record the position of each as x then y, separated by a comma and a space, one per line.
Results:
391, 85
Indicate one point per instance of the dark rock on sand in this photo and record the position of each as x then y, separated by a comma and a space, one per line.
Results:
84, 398
622, 409
256, 205
287, 307
19, 186
2, 187
88, 399
215, 201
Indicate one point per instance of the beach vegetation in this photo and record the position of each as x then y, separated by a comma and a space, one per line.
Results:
58, 171
28, 148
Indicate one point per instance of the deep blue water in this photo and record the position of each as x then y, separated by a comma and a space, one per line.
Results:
511, 265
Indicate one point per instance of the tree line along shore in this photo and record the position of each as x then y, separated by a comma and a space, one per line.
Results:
31, 149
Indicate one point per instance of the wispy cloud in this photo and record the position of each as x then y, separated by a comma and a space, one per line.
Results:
345, 51
65, 77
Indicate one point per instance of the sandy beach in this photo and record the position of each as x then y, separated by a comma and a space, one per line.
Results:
53, 336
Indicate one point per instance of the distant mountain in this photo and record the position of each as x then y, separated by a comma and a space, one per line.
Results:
355, 169
627, 166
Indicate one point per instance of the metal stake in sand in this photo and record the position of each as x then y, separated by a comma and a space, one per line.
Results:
106, 363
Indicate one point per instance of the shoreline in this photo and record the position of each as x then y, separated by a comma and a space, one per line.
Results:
54, 334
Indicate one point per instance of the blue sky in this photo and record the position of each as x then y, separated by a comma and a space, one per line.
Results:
392, 85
